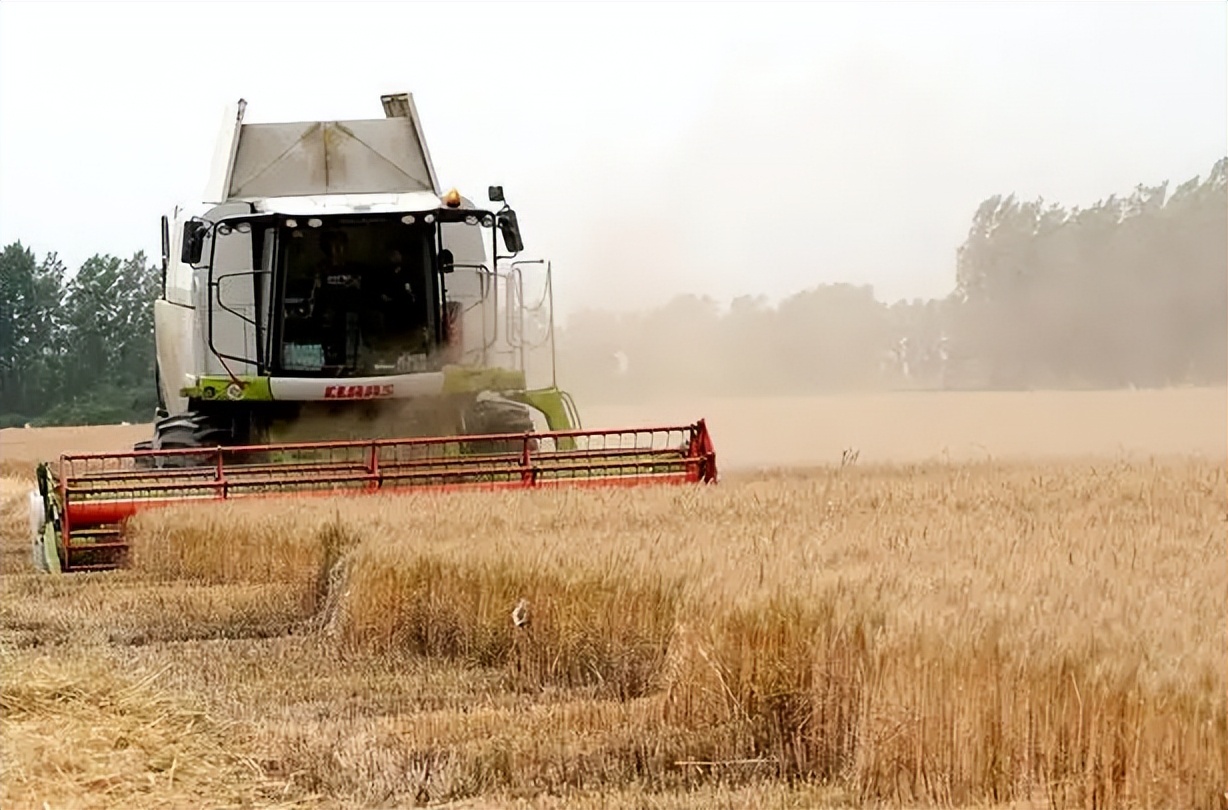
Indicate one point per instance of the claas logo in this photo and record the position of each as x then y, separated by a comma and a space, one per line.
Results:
357, 391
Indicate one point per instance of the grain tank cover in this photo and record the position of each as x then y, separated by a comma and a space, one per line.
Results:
303, 159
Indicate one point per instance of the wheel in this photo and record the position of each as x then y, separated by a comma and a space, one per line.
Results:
185, 431
493, 416
146, 462
158, 385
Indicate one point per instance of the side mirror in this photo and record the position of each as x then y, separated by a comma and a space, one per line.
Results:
166, 251
495, 193
510, 229
194, 231
446, 260
166, 242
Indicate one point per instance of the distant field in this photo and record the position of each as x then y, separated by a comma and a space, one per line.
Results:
46, 444
919, 426
1033, 618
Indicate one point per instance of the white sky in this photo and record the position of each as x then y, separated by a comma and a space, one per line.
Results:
650, 149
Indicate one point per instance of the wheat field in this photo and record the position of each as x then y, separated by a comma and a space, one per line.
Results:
1023, 629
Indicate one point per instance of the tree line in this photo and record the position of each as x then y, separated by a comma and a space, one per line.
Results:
79, 349
1131, 291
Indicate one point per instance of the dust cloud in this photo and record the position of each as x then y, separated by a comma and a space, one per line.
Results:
1069, 331
770, 249
1129, 293
908, 427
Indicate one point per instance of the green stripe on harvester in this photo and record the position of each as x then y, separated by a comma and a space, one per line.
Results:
465, 380
550, 402
251, 389
50, 549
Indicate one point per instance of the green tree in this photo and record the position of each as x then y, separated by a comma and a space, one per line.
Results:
76, 350
108, 315
1130, 291
30, 339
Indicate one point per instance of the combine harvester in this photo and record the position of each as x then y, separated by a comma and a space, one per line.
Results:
330, 321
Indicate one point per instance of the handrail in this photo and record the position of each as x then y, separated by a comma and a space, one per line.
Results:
94, 494
418, 441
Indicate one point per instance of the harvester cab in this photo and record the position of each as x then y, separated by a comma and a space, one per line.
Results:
331, 319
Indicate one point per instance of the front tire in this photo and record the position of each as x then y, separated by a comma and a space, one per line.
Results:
494, 416
185, 431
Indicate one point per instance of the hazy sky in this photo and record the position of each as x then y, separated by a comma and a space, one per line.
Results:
651, 149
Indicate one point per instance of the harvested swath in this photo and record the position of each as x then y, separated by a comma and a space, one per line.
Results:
18, 469
122, 608
75, 734
15, 530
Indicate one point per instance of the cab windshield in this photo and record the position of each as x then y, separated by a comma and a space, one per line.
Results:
357, 298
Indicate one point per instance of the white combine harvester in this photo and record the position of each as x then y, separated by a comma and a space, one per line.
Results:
329, 268
332, 320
